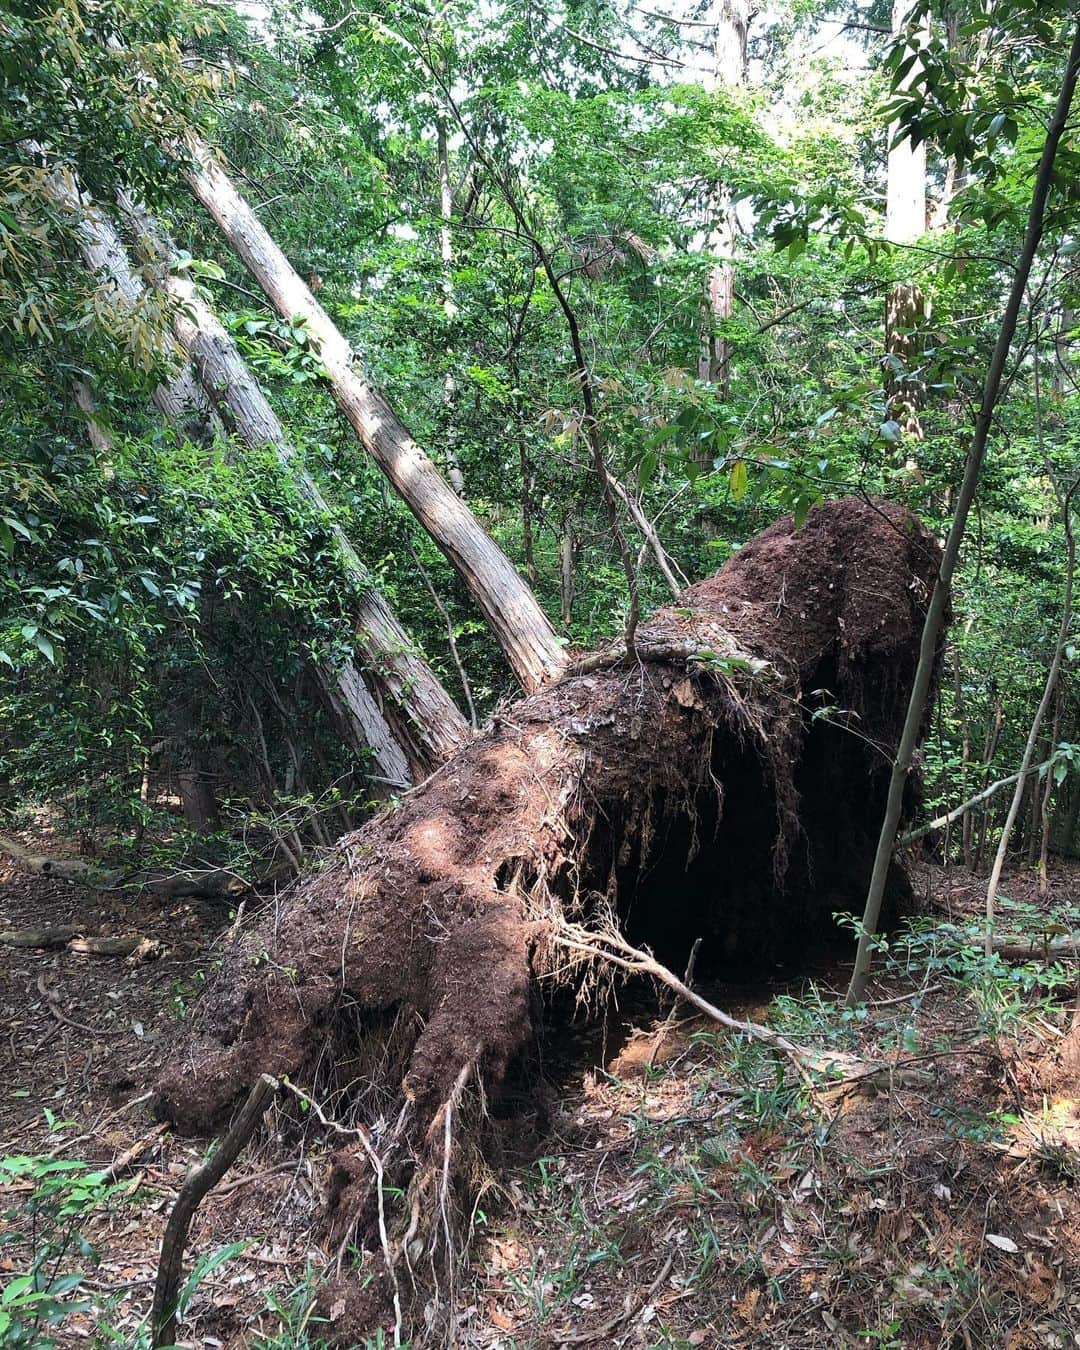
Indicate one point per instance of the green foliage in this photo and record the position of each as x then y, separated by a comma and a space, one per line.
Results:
138, 586
63, 1195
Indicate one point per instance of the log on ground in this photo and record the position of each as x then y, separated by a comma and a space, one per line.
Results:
725, 781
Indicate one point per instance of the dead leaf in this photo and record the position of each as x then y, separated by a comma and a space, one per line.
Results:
746, 1307
499, 1319
1041, 1284
1003, 1244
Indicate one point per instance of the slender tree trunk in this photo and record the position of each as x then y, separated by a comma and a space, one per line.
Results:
519, 624
728, 71
972, 470
905, 222
990, 746
527, 481
965, 756
567, 580
422, 715
1062, 345
1047, 796
1049, 690
454, 475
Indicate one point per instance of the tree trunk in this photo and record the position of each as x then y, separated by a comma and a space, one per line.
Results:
905, 222
1066, 820
687, 794
567, 572
181, 401
95, 430
1049, 690
197, 795
516, 619
728, 71
454, 476
185, 404
421, 714
937, 613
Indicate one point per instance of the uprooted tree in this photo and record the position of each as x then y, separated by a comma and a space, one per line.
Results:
726, 783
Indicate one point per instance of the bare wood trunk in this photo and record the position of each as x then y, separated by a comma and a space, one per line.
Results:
422, 715
519, 624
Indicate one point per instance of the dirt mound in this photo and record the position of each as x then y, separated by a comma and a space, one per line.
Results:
725, 781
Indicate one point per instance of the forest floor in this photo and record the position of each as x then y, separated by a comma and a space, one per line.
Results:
672, 1186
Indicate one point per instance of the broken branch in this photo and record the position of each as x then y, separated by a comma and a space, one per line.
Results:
192, 1193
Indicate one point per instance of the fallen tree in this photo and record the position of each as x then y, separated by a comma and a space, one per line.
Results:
725, 783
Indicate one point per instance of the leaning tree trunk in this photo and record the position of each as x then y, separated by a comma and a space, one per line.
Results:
519, 624
181, 400
184, 403
704, 790
425, 720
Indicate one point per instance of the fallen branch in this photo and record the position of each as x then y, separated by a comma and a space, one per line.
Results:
123, 1161
53, 939
66, 869
841, 1070
1029, 949
984, 795
192, 1193
47, 938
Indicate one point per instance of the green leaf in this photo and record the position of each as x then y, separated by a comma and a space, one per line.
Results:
738, 480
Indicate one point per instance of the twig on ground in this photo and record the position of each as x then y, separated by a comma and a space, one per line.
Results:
52, 1002
604, 1331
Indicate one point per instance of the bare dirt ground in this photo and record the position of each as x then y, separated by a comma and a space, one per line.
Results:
682, 1191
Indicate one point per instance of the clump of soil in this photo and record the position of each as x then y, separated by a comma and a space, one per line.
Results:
724, 781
